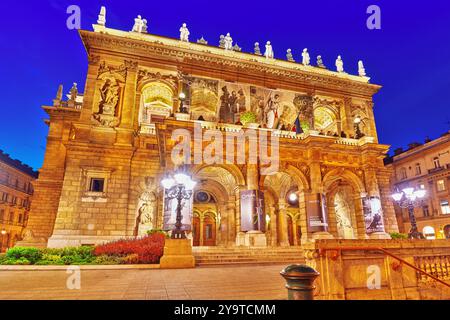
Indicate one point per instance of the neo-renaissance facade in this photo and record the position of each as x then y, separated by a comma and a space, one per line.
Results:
109, 148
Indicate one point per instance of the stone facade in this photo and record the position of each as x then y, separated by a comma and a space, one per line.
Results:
425, 166
16, 193
109, 148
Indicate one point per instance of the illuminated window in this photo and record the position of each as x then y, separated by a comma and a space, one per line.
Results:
429, 233
426, 211
441, 185
208, 231
445, 207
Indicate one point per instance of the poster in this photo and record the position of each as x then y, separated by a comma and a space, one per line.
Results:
252, 211
373, 215
316, 209
170, 214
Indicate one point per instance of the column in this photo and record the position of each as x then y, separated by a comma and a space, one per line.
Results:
282, 231
273, 226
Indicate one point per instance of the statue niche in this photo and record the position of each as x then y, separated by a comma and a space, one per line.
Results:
110, 94
305, 108
146, 209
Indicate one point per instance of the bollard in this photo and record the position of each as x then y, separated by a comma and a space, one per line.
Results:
300, 281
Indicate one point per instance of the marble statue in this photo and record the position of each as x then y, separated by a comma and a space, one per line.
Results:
306, 58
145, 219
289, 55
144, 26
74, 92
257, 49
339, 64
222, 41
237, 48
102, 17
320, 62
269, 51
361, 69
110, 96
228, 42
184, 33
138, 24
272, 110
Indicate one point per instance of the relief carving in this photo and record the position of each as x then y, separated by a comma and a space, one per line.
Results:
147, 208
110, 93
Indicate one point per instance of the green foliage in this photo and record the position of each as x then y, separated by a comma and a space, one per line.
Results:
19, 261
397, 236
158, 231
32, 255
248, 117
107, 260
305, 126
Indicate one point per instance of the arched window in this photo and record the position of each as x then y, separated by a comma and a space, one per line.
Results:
403, 174
156, 99
437, 163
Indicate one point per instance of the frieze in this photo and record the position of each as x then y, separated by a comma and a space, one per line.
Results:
145, 75
127, 45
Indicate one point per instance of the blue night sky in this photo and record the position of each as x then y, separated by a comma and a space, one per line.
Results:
409, 56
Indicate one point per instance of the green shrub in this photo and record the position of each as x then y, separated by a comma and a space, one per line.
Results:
3, 258
32, 255
248, 117
158, 231
130, 259
397, 236
107, 260
20, 261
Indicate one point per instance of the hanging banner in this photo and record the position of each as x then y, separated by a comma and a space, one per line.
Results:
315, 209
373, 215
170, 213
252, 211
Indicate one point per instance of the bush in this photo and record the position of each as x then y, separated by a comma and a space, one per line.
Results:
32, 255
248, 117
397, 236
149, 249
20, 261
158, 231
107, 260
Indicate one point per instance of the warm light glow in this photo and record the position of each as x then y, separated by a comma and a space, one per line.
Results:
3, 232
397, 196
190, 184
357, 120
181, 178
408, 191
168, 183
267, 218
293, 197
182, 96
421, 193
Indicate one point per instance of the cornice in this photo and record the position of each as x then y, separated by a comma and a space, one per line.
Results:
167, 51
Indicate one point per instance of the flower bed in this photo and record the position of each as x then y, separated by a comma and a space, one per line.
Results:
146, 250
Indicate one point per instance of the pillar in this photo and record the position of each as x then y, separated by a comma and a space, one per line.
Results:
282, 231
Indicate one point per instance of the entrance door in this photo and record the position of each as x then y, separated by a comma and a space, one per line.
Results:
209, 231
195, 231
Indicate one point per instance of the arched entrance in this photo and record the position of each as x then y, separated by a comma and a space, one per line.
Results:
204, 226
447, 231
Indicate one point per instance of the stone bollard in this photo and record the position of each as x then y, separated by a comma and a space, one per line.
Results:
300, 281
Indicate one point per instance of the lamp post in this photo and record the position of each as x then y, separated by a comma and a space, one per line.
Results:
357, 123
410, 198
182, 97
180, 186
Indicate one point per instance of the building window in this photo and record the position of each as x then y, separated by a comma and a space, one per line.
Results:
11, 217
429, 233
20, 219
437, 163
441, 185
403, 174
426, 211
208, 231
418, 169
2, 215
97, 185
14, 200
5, 197
445, 207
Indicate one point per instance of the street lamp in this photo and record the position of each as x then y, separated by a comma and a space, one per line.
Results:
409, 198
180, 186
182, 97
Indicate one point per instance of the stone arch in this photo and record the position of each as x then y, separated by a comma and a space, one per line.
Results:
352, 178
231, 168
155, 97
296, 174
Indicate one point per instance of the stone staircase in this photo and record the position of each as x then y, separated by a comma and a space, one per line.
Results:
214, 256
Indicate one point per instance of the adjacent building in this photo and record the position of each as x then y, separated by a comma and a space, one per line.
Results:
108, 149
425, 166
16, 191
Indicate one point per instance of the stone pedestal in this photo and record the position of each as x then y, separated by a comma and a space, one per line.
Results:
255, 239
177, 254
182, 116
379, 235
240, 239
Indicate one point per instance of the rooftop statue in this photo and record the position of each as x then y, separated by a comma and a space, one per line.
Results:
222, 41
269, 51
140, 25
74, 92
237, 48
228, 42
257, 50
339, 64
320, 62
306, 58
361, 69
184, 33
102, 17
289, 56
